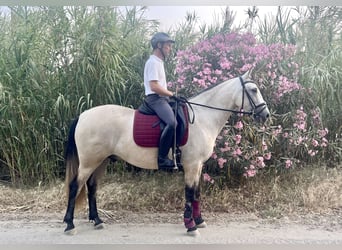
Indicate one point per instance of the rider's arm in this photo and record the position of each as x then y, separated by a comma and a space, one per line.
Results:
156, 88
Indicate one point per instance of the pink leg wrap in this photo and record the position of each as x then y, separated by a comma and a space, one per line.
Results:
196, 211
189, 223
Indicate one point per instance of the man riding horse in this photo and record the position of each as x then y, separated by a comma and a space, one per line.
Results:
158, 96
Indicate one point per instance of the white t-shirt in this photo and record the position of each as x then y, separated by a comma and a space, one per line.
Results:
154, 71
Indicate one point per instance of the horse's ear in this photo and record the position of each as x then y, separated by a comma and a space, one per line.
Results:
248, 74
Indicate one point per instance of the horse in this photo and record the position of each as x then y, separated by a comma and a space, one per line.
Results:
103, 132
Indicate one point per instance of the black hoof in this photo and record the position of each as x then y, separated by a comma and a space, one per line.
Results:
192, 229
70, 229
98, 223
198, 220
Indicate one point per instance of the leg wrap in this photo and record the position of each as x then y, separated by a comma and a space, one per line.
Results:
196, 212
188, 220
189, 223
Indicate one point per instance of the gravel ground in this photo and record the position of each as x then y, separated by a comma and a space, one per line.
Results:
162, 228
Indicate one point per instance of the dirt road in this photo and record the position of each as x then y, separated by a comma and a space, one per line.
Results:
168, 229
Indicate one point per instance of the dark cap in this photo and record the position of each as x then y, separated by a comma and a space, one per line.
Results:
160, 37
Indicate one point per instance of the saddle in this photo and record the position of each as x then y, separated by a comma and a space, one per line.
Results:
147, 126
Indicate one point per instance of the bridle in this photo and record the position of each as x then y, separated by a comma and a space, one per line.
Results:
255, 112
256, 109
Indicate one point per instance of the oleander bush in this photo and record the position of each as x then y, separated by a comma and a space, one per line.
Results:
295, 136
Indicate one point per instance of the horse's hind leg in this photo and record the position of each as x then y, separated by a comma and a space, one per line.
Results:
93, 215
92, 188
69, 215
76, 193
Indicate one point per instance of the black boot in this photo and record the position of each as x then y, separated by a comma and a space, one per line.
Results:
165, 143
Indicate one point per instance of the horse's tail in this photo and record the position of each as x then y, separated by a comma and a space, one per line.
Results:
72, 163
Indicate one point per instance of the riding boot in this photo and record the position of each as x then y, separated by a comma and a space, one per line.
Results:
165, 143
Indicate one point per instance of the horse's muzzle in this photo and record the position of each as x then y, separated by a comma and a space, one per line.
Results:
261, 113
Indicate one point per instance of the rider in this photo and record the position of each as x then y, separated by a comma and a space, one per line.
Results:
158, 96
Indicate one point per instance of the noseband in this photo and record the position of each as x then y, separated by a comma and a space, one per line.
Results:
256, 109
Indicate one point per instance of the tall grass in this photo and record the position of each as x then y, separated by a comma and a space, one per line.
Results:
56, 62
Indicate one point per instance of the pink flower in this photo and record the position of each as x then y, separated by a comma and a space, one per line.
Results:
288, 163
239, 125
323, 132
312, 152
206, 71
324, 142
218, 72
314, 143
214, 155
300, 126
260, 162
300, 140
237, 139
225, 148
250, 172
267, 156
264, 146
277, 131
237, 152
221, 161
207, 178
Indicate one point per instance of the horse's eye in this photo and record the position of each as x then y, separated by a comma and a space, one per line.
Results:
254, 90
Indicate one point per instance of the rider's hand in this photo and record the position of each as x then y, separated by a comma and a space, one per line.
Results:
178, 98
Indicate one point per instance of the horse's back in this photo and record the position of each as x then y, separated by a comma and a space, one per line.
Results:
100, 128
107, 111
107, 130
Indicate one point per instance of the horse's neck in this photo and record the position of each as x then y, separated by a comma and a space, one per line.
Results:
221, 96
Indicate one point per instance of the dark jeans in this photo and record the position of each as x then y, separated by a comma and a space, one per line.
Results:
161, 106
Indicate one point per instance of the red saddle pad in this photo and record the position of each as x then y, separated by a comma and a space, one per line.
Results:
146, 130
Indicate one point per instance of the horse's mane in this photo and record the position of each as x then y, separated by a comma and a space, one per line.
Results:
210, 87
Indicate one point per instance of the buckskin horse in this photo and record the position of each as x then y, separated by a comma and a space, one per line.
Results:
105, 132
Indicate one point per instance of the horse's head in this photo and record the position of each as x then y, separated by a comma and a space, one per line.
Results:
251, 100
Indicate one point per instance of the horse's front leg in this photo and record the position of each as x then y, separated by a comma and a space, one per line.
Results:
196, 209
189, 221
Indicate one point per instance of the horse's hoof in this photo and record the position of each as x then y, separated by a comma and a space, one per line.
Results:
98, 223
99, 226
202, 225
194, 233
72, 231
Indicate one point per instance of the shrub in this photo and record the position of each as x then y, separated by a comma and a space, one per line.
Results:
244, 147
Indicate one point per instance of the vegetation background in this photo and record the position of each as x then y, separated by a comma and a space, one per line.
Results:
57, 62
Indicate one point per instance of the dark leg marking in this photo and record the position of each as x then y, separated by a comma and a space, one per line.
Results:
93, 215
69, 215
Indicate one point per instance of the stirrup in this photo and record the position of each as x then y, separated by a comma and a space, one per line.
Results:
166, 164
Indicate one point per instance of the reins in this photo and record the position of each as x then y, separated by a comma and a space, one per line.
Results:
241, 111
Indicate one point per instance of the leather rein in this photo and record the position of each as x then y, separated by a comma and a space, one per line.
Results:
253, 112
